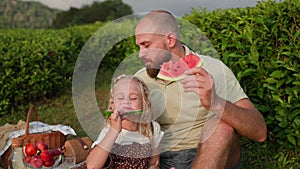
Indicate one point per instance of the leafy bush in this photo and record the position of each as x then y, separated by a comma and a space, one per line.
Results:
36, 64
262, 45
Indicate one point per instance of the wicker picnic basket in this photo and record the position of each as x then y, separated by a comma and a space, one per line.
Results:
53, 139
80, 147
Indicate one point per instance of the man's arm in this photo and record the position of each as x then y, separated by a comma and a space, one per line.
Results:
245, 119
242, 115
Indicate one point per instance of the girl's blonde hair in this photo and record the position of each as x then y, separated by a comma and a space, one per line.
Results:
145, 124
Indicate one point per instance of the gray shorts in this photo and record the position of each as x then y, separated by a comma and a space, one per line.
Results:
181, 159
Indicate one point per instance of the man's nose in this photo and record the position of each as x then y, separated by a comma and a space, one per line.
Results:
142, 53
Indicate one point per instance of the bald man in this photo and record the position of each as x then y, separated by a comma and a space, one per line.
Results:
202, 115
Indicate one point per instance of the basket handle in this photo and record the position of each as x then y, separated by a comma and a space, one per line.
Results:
31, 110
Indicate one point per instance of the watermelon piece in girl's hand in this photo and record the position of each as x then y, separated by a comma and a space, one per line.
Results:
108, 113
174, 71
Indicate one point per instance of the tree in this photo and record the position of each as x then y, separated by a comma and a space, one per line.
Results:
98, 11
20, 14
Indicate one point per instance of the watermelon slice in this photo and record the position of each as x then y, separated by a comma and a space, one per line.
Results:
174, 71
108, 113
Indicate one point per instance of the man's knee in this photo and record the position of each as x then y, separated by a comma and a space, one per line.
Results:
230, 138
226, 133
229, 141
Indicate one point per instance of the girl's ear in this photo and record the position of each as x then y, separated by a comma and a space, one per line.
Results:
171, 38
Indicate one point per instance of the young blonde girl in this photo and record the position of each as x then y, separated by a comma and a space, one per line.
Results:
131, 138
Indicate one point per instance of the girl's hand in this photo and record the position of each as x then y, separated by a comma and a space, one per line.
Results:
115, 122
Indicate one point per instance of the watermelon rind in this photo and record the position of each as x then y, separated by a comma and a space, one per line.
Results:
166, 76
133, 112
108, 113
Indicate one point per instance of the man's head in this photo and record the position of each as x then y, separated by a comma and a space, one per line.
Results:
157, 36
158, 22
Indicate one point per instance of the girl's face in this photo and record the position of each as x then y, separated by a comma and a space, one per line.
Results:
126, 96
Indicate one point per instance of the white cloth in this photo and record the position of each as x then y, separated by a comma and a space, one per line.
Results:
7, 129
37, 127
128, 137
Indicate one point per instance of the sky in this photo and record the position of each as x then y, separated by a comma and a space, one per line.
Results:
177, 7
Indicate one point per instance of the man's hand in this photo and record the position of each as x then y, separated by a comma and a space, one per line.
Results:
201, 82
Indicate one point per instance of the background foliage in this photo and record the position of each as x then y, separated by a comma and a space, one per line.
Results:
260, 44
32, 14
98, 11
19, 14
36, 65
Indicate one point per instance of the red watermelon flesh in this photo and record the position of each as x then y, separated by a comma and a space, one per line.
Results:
174, 71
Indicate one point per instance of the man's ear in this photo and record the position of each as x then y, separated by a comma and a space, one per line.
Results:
172, 40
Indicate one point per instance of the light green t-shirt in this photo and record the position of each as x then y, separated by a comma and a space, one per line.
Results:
180, 113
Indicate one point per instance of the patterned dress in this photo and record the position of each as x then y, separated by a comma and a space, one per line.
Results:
131, 150
134, 156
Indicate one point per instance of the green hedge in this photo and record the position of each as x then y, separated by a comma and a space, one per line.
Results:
37, 64
262, 47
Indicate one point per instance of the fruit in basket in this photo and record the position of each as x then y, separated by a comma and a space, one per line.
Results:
36, 162
39, 155
49, 163
57, 151
27, 159
30, 149
47, 155
41, 146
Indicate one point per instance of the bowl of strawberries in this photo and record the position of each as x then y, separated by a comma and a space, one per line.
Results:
40, 156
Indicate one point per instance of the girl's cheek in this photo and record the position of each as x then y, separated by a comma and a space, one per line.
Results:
139, 105
118, 104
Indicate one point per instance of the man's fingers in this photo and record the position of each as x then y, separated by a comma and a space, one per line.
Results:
196, 70
195, 79
192, 89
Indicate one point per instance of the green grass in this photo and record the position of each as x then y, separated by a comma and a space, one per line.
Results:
57, 111
60, 110
268, 155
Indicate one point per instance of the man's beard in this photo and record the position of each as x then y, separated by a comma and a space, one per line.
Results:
152, 72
